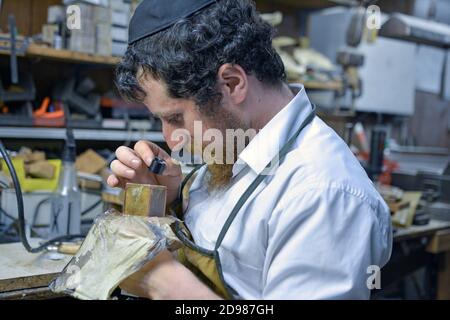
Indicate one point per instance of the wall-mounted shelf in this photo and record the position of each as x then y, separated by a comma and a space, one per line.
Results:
328, 85
38, 51
80, 134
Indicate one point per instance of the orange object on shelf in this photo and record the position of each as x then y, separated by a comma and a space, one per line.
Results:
388, 167
5, 109
43, 118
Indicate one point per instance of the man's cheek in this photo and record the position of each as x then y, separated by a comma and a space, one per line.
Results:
175, 138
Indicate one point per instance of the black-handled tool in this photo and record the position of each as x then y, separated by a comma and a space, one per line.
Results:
157, 166
13, 57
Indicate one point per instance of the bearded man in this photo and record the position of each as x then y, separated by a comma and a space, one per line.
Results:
294, 216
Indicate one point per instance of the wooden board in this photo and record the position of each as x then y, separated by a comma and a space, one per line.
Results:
23, 270
35, 50
317, 85
39, 51
440, 242
418, 231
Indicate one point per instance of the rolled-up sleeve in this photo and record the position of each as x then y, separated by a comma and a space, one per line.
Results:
322, 242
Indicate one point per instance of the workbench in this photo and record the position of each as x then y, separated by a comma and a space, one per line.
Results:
24, 275
417, 247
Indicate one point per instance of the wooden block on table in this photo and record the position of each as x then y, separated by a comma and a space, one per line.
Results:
37, 156
404, 211
145, 200
400, 213
29, 156
25, 154
88, 184
90, 162
40, 169
113, 196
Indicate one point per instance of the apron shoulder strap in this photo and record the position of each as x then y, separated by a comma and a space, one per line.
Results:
178, 203
247, 193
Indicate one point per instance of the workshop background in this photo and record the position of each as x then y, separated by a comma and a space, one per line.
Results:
378, 71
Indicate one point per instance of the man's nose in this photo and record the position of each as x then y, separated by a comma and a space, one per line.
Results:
167, 134
174, 139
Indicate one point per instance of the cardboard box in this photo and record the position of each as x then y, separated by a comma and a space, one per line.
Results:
82, 43
120, 18
104, 42
102, 14
118, 5
119, 48
48, 33
119, 34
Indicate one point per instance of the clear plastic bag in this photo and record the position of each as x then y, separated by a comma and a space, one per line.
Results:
116, 247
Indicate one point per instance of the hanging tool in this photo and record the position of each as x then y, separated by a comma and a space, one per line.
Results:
46, 117
66, 207
18, 91
13, 60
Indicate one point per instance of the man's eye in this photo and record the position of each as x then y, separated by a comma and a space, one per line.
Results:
175, 120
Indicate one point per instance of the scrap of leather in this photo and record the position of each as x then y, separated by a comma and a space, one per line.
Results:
116, 247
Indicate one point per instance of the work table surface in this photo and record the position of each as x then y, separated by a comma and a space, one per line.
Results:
417, 231
25, 275
21, 270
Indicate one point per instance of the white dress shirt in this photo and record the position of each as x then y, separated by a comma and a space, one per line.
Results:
310, 231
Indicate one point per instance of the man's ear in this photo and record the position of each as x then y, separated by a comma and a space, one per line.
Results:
233, 82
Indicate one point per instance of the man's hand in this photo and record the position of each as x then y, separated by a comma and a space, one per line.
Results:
166, 278
131, 165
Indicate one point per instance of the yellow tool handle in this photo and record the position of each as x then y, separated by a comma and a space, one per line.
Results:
69, 248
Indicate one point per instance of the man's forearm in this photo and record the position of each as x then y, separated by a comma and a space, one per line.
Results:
180, 284
166, 278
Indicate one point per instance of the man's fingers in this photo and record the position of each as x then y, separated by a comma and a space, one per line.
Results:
147, 151
128, 157
115, 182
121, 170
112, 181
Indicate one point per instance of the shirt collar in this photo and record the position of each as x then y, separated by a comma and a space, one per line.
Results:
271, 138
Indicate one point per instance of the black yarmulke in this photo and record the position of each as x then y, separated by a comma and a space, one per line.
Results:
153, 16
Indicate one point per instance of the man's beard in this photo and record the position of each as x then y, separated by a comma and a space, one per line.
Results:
221, 167
220, 174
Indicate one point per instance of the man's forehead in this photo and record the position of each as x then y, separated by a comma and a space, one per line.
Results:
154, 89
157, 100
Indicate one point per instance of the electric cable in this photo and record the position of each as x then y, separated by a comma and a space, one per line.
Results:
21, 213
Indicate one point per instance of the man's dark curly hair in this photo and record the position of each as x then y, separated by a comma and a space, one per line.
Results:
187, 56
